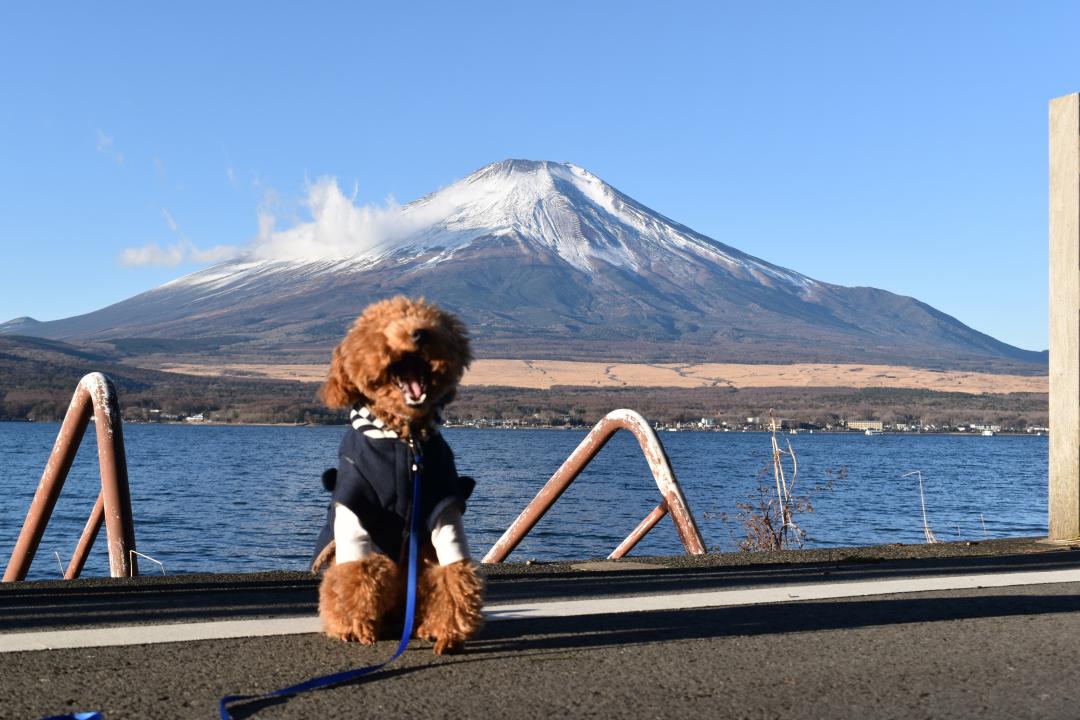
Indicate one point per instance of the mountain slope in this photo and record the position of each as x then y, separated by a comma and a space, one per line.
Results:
542, 260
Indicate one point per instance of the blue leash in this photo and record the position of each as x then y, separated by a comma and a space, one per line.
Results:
406, 632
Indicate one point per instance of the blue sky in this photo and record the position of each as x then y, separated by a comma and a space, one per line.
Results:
897, 145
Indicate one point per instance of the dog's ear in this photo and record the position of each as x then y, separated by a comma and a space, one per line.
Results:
338, 390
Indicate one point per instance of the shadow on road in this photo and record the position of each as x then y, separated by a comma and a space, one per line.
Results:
810, 616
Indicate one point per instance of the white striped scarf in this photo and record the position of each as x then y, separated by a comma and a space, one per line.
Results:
372, 427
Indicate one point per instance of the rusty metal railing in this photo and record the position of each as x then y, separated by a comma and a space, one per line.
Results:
95, 395
673, 500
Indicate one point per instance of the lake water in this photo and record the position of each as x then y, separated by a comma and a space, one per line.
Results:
224, 498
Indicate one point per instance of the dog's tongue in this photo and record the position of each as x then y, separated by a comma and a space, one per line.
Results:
414, 388
412, 383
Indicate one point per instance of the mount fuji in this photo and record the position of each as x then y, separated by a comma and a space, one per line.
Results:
542, 260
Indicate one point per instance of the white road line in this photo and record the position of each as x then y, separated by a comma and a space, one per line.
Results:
152, 634
223, 629
777, 594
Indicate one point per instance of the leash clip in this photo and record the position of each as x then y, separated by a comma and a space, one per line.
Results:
417, 457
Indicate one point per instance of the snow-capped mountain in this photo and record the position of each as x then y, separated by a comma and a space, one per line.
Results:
565, 210
542, 260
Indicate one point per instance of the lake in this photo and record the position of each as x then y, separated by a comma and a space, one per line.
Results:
239, 498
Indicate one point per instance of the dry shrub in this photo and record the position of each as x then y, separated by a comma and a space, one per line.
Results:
767, 518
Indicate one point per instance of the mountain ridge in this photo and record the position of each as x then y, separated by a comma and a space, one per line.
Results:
542, 260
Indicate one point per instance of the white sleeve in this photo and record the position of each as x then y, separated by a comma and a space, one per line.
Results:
352, 540
448, 536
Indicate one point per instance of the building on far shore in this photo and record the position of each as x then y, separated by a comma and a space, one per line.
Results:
865, 425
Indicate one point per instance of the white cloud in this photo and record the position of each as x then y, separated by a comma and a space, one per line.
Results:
105, 147
170, 220
182, 251
104, 142
216, 254
230, 173
152, 255
339, 228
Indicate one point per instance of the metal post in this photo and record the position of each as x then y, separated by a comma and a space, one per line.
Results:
89, 535
119, 525
52, 482
640, 531
1064, 491
95, 394
658, 462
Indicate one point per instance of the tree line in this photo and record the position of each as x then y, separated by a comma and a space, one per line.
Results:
37, 381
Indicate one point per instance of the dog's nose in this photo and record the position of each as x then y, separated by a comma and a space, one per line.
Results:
420, 336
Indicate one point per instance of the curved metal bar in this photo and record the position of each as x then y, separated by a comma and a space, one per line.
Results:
95, 394
640, 531
588, 448
89, 535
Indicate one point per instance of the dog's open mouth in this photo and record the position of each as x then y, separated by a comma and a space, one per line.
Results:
411, 375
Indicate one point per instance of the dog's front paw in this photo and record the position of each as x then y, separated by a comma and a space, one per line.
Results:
451, 599
356, 596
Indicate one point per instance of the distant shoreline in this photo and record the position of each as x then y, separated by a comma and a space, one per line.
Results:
559, 428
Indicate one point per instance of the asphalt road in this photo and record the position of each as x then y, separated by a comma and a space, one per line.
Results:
988, 653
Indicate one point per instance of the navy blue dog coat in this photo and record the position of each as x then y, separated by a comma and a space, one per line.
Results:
374, 480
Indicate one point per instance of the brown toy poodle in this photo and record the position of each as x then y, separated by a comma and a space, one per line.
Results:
397, 367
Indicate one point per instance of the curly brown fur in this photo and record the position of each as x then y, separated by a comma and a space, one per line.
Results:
403, 360
450, 600
355, 598
395, 346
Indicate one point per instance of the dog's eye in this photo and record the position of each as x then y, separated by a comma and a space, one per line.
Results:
420, 336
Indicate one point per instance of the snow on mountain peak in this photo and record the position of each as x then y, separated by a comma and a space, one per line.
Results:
557, 206
552, 207
538, 202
